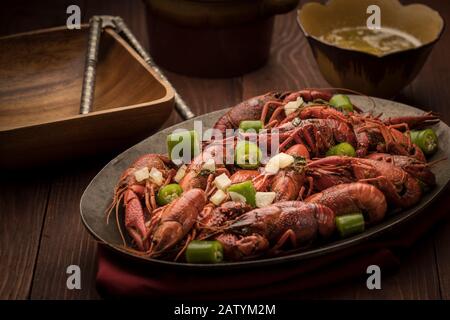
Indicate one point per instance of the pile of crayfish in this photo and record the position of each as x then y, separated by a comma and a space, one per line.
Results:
308, 191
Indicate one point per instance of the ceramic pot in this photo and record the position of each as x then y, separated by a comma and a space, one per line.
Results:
375, 75
212, 38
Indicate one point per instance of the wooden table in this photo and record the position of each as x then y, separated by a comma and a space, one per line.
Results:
41, 231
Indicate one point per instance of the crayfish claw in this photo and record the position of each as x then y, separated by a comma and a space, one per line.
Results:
134, 219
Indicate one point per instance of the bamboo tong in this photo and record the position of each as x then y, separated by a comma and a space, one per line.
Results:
96, 25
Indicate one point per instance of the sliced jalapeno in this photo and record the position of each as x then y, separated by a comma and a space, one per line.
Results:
426, 140
245, 189
350, 224
341, 102
247, 155
168, 193
342, 149
247, 125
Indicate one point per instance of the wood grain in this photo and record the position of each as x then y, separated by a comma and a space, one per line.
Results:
134, 14
40, 97
65, 241
429, 91
291, 64
42, 80
19, 16
441, 241
417, 278
206, 95
23, 202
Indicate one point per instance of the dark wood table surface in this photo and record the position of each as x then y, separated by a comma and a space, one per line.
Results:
41, 231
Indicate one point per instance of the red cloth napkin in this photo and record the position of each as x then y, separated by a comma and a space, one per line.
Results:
119, 276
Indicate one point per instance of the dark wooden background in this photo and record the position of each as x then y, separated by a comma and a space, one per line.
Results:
41, 231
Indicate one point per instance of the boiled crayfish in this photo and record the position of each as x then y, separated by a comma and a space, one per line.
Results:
273, 207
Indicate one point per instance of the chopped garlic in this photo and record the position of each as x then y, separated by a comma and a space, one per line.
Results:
180, 173
271, 168
222, 182
279, 161
263, 199
156, 176
218, 197
285, 160
141, 174
292, 106
209, 165
237, 197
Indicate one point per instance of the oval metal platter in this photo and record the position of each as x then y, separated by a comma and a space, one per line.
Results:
98, 195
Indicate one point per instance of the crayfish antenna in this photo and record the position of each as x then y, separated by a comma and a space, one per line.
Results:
118, 193
118, 224
372, 101
188, 240
131, 250
434, 162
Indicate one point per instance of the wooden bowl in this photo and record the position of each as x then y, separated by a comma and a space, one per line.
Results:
40, 92
376, 75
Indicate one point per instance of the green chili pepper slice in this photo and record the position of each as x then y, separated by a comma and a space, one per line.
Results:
342, 149
350, 224
247, 155
189, 141
341, 102
246, 189
202, 251
255, 125
168, 193
426, 140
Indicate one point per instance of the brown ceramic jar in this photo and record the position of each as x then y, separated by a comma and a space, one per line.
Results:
212, 38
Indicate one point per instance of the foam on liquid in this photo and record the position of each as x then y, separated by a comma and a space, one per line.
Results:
378, 42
